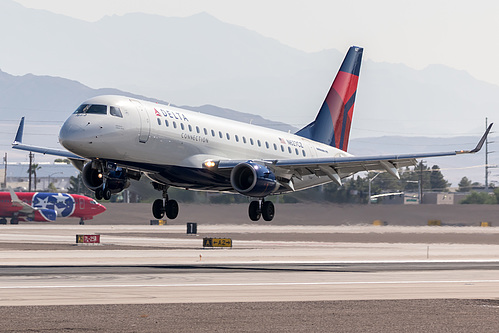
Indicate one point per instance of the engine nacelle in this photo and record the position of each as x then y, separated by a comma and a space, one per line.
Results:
253, 180
93, 179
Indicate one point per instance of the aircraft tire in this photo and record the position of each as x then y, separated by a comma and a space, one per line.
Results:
254, 211
3, 221
107, 194
158, 209
268, 210
14, 221
171, 209
99, 194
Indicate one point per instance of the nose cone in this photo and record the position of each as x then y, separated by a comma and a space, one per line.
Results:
78, 135
71, 134
99, 209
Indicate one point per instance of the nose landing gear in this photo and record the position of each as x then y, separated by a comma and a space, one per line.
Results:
261, 208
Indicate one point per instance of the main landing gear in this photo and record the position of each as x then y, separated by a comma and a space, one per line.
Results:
261, 208
160, 207
103, 193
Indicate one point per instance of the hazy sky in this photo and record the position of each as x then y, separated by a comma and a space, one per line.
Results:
460, 34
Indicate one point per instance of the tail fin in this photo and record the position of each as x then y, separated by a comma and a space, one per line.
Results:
332, 124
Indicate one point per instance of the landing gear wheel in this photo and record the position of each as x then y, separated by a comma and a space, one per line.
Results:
3, 221
99, 194
268, 210
82, 222
107, 194
14, 221
171, 209
254, 211
158, 210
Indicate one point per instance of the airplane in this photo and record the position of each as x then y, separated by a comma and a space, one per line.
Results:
46, 207
115, 139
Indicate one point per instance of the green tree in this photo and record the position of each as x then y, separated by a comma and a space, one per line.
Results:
479, 198
76, 186
51, 188
437, 181
464, 185
32, 170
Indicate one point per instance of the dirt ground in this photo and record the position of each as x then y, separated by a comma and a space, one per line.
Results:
466, 316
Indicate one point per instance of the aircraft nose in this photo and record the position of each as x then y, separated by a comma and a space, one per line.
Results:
101, 208
70, 134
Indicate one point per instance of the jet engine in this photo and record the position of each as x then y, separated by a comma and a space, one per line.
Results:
253, 180
93, 178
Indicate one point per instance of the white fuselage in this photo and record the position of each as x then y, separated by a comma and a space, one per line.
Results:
162, 141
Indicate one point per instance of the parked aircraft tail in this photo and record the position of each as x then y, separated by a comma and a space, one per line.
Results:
332, 124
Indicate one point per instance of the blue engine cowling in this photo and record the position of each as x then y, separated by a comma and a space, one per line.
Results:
92, 178
253, 180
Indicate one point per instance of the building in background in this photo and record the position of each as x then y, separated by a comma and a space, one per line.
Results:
56, 173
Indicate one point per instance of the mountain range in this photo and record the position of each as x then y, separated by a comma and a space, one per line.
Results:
198, 62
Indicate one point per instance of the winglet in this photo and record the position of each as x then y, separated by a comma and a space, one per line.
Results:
13, 196
479, 145
20, 130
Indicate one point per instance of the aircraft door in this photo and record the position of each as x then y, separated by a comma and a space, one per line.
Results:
145, 122
82, 204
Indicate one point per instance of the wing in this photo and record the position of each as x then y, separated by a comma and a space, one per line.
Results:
17, 144
339, 167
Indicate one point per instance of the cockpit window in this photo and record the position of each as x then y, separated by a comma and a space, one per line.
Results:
91, 108
115, 111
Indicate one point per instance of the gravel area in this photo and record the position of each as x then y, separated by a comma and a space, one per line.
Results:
341, 316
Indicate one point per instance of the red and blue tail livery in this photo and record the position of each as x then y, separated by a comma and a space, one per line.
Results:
333, 122
46, 207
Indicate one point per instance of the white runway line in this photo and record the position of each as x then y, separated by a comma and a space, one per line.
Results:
258, 284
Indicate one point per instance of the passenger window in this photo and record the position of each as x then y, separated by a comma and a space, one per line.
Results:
174, 125
115, 111
296, 151
227, 135
282, 148
303, 152
213, 133
190, 128
197, 129
267, 144
244, 139
159, 121
205, 131
166, 123
289, 150
182, 126
251, 141
237, 138
275, 146
220, 134
259, 143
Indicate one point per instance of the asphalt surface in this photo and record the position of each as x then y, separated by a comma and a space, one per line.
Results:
363, 295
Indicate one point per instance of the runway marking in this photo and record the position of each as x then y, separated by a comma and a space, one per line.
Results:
258, 284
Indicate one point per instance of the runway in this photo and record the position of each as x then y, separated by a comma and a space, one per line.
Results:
56, 285
158, 265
